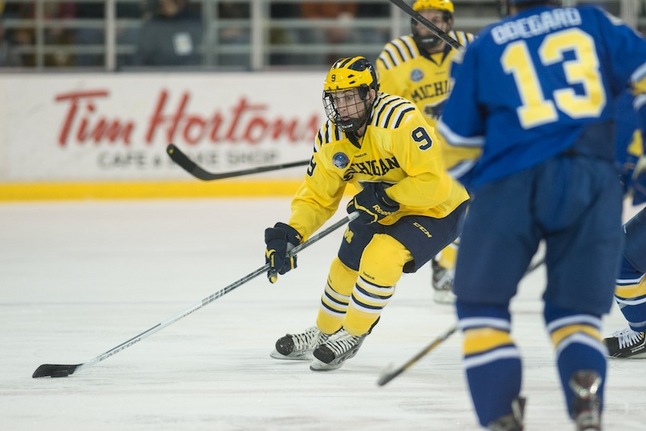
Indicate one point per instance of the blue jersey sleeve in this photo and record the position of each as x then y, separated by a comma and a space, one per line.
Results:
531, 84
462, 123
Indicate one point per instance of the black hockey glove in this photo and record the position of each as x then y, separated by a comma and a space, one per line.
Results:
372, 203
280, 239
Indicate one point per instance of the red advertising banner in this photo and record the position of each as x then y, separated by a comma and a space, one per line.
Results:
117, 127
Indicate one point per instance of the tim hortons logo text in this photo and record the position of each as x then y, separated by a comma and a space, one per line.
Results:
242, 122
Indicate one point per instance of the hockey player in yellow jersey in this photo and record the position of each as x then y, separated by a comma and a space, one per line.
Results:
417, 66
409, 209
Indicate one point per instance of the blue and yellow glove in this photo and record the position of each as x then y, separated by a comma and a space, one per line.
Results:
372, 203
280, 239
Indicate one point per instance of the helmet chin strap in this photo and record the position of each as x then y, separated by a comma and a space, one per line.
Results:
356, 124
429, 42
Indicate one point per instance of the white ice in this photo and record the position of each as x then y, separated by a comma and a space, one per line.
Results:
79, 278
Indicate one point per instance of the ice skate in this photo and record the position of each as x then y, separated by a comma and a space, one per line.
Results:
299, 347
587, 407
512, 421
335, 351
442, 282
626, 344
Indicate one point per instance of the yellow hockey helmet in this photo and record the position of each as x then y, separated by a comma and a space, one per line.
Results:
351, 72
347, 74
446, 5
430, 41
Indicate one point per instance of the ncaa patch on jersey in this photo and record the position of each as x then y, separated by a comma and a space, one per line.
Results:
416, 75
340, 160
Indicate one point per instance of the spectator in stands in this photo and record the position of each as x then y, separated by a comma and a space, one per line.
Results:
25, 36
94, 35
281, 35
8, 56
375, 34
341, 32
238, 35
57, 37
22, 36
89, 35
172, 36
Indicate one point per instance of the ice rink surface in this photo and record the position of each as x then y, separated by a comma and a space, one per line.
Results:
79, 278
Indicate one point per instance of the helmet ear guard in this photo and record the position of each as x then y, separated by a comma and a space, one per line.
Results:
363, 92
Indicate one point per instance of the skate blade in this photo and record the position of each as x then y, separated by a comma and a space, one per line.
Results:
276, 355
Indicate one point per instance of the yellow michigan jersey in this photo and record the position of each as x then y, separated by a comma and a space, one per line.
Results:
398, 147
425, 80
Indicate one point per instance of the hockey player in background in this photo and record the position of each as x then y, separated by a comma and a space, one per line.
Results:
417, 66
533, 98
630, 291
409, 209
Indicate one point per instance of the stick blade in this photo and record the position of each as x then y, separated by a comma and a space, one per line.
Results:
54, 370
388, 374
180, 158
190, 166
384, 379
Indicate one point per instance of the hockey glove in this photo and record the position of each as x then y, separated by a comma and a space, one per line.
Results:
372, 203
280, 239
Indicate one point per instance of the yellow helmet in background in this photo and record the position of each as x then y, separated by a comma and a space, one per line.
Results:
446, 5
432, 41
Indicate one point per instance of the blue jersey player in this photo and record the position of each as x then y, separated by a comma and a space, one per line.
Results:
534, 99
630, 292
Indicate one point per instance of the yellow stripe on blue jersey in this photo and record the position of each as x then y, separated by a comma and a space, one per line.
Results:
564, 332
632, 292
639, 85
398, 147
636, 146
481, 340
424, 80
576, 329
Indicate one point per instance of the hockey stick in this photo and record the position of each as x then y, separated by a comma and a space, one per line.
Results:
59, 370
194, 169
426, 23
389, 375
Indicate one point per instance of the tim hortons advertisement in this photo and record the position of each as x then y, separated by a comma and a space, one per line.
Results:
117, 127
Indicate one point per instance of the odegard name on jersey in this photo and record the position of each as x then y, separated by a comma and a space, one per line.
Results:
535, 25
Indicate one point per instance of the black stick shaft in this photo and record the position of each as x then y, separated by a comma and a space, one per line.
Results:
426, 23
198, 172
387, 377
